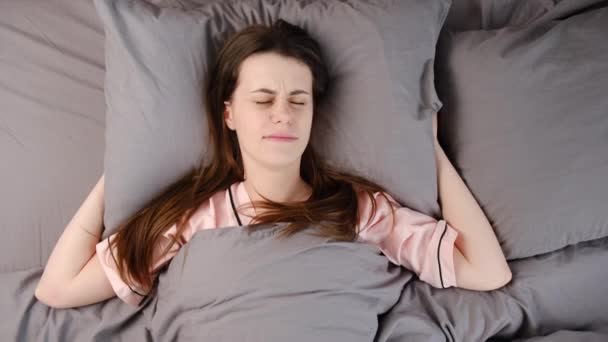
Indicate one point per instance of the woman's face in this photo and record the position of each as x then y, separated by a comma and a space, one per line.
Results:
273, 97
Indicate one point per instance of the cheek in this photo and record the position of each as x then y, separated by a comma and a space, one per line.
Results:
309, 117
250, 121
245, 115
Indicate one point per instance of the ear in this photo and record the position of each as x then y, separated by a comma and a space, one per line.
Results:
228, 117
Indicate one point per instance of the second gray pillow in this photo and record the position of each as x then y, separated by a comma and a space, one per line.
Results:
526, 124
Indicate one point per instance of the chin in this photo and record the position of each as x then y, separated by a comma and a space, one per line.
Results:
279, 161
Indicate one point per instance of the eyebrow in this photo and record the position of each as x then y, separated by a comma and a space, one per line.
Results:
272, 92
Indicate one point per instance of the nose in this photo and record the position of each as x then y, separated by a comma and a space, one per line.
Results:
281, 112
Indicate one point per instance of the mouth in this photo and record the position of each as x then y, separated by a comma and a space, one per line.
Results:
278, 137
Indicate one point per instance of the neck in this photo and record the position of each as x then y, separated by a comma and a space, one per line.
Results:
279, 185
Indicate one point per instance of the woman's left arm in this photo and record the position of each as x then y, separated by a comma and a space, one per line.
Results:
479, 263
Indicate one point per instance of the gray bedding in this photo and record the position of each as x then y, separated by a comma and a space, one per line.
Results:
231, 285
228, 286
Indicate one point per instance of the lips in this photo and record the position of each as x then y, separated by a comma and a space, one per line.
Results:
280, 137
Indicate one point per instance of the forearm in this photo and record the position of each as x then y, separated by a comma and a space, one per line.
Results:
476, 241
76, 246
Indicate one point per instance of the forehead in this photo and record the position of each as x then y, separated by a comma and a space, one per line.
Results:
274, 71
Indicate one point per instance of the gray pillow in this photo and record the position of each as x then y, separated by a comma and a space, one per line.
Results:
465, 15
380, 56
492, 14
525, 120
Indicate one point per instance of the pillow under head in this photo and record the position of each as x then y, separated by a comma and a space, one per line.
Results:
377, 122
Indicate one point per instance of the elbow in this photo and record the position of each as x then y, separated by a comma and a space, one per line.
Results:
507, 277
41, 296
501, 279
487, 280
481, 277
48, 297
504, 279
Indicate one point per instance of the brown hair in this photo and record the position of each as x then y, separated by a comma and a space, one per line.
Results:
332, 208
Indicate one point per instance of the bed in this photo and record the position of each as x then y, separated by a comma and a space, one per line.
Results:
534, 160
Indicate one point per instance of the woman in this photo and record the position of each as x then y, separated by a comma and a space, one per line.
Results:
262, 98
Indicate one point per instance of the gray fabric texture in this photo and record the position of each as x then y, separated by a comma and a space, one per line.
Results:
52, 122
305, 288
466, 15
525, 122
376, 122
226, 285
51, 141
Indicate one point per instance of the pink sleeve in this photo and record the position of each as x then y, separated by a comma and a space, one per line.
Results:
415, 240
130, 294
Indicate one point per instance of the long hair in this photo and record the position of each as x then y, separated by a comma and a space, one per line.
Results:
332, 209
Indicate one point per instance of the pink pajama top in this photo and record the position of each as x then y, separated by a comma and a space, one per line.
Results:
415, 241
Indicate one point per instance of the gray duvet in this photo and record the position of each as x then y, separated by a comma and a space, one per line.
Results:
226, 285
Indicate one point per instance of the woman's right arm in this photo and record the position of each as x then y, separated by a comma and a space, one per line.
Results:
73, 275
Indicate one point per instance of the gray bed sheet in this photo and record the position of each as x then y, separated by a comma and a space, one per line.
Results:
51, 92
52, 122
226, 285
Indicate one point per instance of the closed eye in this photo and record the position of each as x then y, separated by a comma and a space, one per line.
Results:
267, 102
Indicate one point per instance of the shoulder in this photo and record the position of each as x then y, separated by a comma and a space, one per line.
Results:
204, 216
380, 197
384, 205
209, 209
